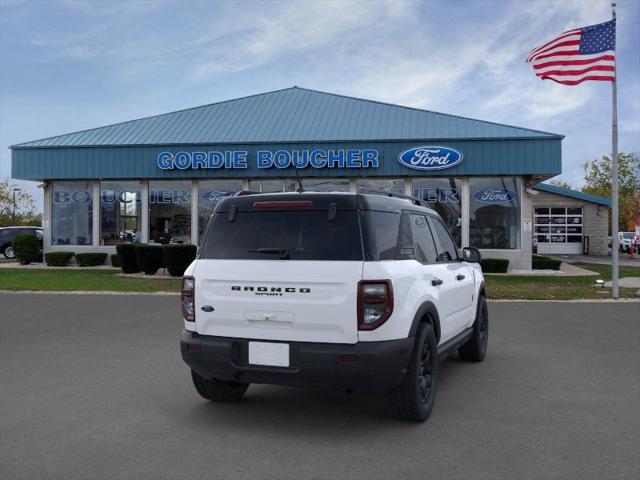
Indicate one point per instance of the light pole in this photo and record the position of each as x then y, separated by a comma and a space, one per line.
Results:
14, 203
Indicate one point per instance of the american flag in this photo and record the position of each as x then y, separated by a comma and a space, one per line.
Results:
587, 53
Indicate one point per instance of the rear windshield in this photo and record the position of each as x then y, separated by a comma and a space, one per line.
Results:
276, 235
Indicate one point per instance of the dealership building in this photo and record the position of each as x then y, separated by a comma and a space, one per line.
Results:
158, 179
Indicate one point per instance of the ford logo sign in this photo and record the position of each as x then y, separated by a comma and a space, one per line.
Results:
495, 195
430, 158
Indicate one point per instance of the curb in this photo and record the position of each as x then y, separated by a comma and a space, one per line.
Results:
80, 292
575, 300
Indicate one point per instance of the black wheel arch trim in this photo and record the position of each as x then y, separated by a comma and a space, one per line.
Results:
427, 309
482, 291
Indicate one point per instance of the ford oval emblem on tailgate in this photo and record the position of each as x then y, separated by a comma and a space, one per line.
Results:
430, 158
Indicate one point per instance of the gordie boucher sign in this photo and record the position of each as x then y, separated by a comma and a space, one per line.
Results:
417, 158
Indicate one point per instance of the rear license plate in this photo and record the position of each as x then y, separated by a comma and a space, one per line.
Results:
270, 354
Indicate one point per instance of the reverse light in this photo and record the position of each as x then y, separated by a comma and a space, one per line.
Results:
187, 299
375, 303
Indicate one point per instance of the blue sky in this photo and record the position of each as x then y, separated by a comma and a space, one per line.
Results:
72, 65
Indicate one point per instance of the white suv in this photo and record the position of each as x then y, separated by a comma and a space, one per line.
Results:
363, 292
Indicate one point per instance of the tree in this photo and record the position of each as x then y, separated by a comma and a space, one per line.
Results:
25, 207
597, 179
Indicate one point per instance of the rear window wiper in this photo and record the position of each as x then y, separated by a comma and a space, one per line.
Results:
283, 252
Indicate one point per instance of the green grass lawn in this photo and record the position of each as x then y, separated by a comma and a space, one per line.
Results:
498, 287
81, 280
557, 288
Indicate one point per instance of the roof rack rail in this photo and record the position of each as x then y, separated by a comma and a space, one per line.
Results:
414, 200
243, 193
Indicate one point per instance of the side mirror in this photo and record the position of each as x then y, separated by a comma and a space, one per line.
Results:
471, 255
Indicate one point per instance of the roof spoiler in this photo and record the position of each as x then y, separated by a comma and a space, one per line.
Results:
384, 193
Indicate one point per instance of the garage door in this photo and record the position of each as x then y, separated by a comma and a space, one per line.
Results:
558, 229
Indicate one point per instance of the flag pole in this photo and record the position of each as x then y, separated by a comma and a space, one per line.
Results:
614, 176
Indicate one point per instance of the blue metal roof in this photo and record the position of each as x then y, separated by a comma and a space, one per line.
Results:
565, 192
292, 115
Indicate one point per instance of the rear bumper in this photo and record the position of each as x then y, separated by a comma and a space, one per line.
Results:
366, 366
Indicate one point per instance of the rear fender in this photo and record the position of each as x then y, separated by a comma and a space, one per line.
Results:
426, 313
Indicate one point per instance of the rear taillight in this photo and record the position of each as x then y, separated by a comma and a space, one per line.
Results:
375, 303
188, 299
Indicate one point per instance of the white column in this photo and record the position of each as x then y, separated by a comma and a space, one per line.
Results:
95, 237
408, 184
526, 237
353, 188
464, 204
46, 216
245, 184
194, 212
144, 211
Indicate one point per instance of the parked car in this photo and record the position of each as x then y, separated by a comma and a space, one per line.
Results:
7, 234
625, 239
356, 291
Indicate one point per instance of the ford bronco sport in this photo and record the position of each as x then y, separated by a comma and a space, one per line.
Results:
358, 291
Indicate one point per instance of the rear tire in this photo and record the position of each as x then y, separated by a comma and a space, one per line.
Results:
413, 400
8, 252
476, 347
217, 390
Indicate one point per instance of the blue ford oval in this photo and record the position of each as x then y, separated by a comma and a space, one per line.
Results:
430, 158
495, 195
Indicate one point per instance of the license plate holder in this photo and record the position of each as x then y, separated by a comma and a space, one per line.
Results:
269, 354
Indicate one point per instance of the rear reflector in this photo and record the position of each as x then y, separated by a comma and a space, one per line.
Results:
284, 204
349, 358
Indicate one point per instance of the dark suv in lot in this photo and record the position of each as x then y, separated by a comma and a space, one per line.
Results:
7, 234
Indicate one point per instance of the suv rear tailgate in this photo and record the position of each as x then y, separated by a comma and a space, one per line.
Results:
284, 300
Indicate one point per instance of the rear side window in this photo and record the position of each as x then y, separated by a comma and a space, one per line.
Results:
425, 247
291, 234
397, 236
447, 250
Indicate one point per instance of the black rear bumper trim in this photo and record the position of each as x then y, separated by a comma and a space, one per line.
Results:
366, 366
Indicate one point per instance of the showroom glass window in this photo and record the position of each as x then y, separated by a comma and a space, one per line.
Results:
395, 185
494, 213
444, 195
119, 212
210, 192
267, 185
72, 213
318, 184
170, 212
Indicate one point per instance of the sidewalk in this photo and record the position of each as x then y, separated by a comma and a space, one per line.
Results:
566, 270
624, 259
44, 266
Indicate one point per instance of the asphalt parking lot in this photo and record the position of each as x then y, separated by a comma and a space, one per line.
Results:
93, 387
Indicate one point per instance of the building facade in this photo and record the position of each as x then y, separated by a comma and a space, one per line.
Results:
158, 179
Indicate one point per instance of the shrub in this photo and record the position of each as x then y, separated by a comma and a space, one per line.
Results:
27, 248
90, 259
494, 265
115, 260
178, 258
58, 259
127, 257
545, 263
149, 258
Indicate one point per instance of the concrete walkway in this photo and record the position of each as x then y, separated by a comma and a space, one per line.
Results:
43, 266
626, 282
566, 270
624, 259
